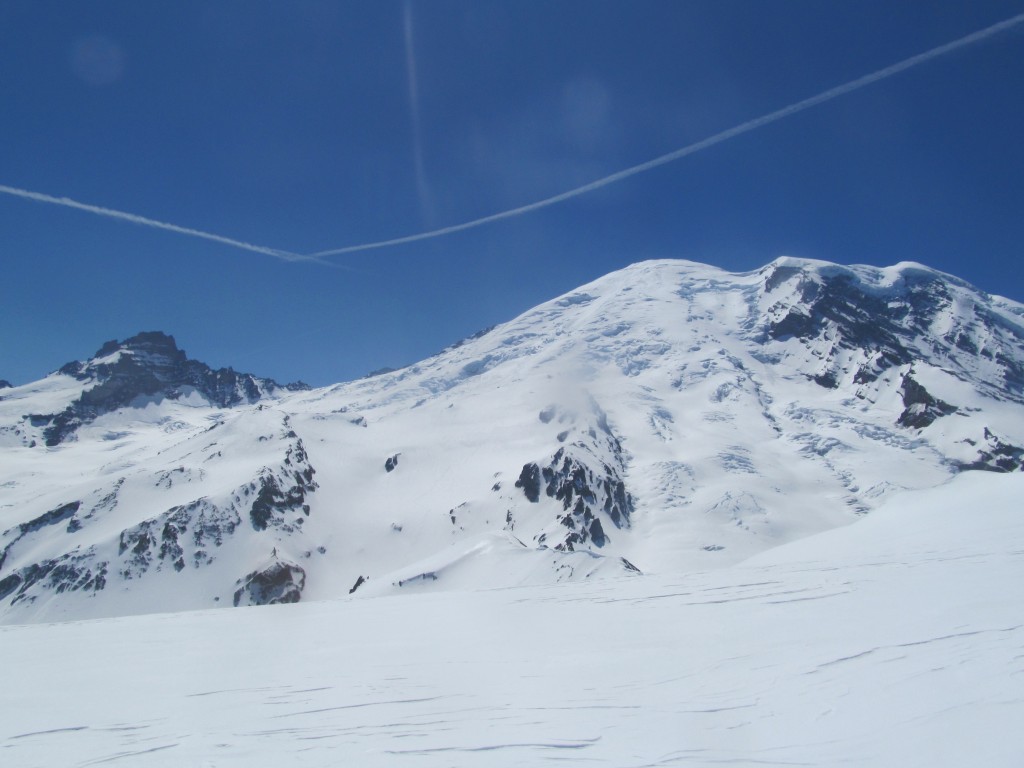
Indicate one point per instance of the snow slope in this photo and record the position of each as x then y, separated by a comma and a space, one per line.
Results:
897, 640
668, 418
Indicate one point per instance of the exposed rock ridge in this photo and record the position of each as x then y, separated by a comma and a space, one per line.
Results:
184, 536
149, 364
586, 477
918, 315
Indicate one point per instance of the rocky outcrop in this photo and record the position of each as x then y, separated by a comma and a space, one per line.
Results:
70, 572
995, 455
920, 408
274, 501
858, 319
148, 365
184, 535
586, 477
278, 494
854, 325
583, 494
54, 516
279, 582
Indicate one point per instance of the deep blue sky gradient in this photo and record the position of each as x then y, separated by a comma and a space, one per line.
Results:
290, 125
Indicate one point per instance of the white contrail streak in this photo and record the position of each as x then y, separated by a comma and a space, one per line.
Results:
718, 138
67, 202
414, 110
746, 127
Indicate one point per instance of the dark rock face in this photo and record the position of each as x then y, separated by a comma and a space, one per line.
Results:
866, 320
9, 583
586, 493
273, 502
858, 327
149, 365
529, 481
995, 455
920, 407
567, 479
279, 582
54, 516
281, 494
583, 493
391, 463
186, 536
892, 325
5, 384
68, 573
164, 539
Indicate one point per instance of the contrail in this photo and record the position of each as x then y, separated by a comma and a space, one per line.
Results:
750, 125
414, 110
67, 202
718, 138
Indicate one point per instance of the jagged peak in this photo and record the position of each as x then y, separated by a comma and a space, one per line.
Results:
154, 351
146, 365
144, 341
159, 354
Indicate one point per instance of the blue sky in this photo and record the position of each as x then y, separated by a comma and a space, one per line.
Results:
294, 126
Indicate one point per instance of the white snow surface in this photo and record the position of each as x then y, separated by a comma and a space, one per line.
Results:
895, 641
769, 569
660, 376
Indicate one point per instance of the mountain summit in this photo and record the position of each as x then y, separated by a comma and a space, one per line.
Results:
667, 417
148, 365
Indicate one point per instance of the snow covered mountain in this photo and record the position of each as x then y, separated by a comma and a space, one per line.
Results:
668, 417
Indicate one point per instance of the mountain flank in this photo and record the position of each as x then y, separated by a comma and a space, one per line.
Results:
670, 417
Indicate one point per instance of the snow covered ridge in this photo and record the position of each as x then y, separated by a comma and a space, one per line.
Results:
668, 417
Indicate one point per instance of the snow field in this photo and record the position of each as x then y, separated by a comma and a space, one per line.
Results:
897, 640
